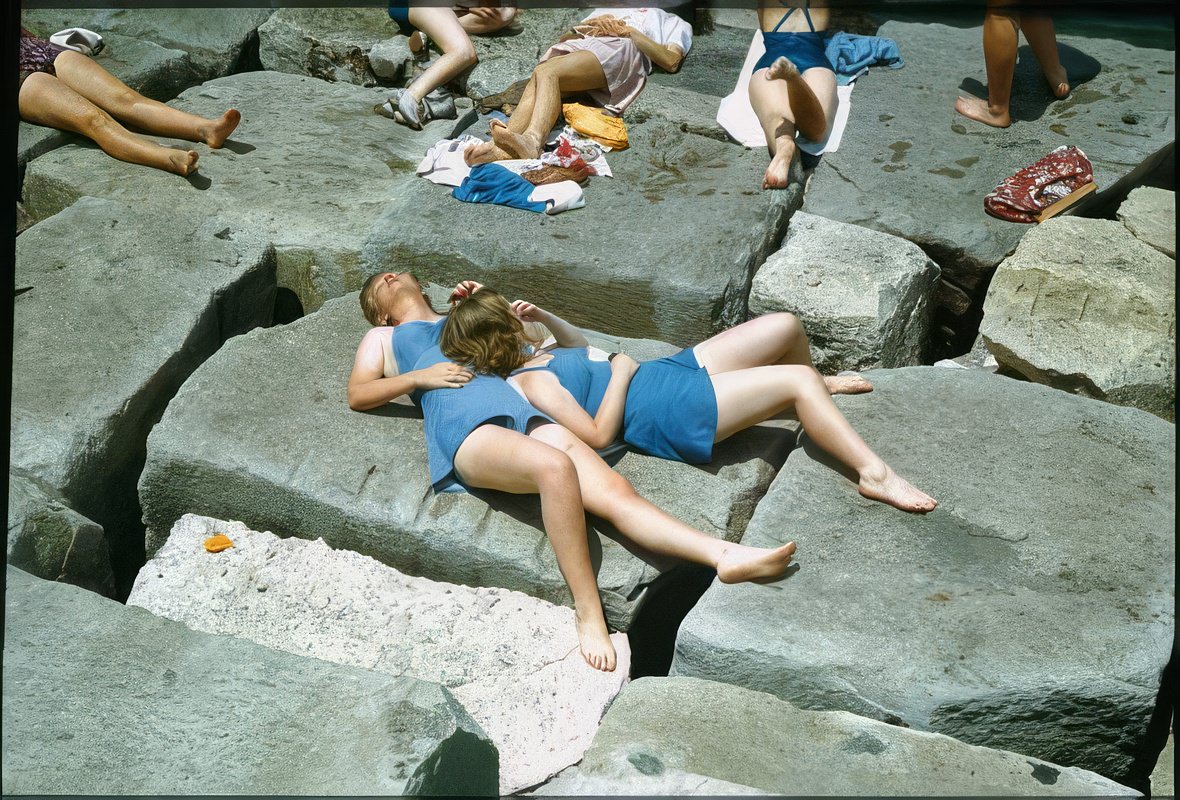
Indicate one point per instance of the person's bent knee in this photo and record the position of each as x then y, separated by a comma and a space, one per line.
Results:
466, 53
555, 469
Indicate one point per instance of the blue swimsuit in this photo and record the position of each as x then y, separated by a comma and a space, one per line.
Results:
450, 415
804, 50
671, 410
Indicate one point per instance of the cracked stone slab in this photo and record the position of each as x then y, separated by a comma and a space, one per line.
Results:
331, 185
865, 297
510, 659
196, 281
101, 698
909, 165
360, 480
1086, 307
666, 733
1150, 214
1030, 611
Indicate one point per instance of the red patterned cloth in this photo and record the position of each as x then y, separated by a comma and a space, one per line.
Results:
36, 55
1036, 187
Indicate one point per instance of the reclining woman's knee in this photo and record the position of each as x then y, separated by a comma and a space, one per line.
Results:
466, 53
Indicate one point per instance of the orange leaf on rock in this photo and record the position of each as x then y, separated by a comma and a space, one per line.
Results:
217, 543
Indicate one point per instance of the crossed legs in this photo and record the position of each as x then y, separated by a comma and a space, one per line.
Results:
539, 107
86, 99
1001, 24
763, 367
785, 101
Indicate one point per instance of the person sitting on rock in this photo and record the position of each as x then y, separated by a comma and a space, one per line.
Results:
63, 89
1001, 23
608, 56
675, 407
481, 433
793, 86
451, 29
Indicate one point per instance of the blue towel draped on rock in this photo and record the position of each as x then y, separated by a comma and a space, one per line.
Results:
851, 55
492, 183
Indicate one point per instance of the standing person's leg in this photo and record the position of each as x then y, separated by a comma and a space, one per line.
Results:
86, 77
1001, 24
492, 457
458, 54
609, 495
46, 100
772, 104
579, 71
1038, 30
747, 397
766, 340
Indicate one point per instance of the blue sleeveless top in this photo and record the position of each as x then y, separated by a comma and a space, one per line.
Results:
671, 409
450, 415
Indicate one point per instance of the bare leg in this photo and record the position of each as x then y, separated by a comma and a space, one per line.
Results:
1038, 30
999, 53
87, 78
498, 458
610, 496
810, 116
747, 397
769, 339
772, 103
458, 54
46, 100
564, 74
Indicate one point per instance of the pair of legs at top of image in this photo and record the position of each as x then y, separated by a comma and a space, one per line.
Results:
73, 93
450, 29
793, 86
1003, 21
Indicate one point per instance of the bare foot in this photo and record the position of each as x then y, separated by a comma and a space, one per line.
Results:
520, 145
416, 42
782, 69
484, 154
886, 486
219, 129
759, 564
978, 110
183, 162
595, 643
1058, 82
847, 384
778, 173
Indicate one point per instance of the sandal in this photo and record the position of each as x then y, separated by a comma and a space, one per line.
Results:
402, 108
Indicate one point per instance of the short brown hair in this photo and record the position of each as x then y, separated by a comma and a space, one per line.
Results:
369, 299
481, 332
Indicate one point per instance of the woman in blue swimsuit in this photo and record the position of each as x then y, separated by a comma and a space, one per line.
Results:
793, 88
481, 433
676, 407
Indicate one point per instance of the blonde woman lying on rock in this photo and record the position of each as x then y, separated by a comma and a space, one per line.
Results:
63, 89
481, 433
674, 407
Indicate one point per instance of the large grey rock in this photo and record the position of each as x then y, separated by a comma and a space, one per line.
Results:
1150, 214
864, 296
1084, 306
682, 728
327, 43
217, 40
694, 225
1029, 611
911, 166
104, 699
510, 659
630, 780
49, 539
314, 468
123, 303
388, 58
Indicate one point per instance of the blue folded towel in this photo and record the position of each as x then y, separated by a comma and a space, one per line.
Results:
851, 55
492, 183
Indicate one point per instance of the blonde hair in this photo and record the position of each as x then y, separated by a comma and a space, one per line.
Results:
482, 332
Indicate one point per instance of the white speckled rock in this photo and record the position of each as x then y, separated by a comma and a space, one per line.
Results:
510, 659
1150, 214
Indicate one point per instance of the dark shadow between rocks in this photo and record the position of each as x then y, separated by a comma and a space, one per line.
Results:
737, 448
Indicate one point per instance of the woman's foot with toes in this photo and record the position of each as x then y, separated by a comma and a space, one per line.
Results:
594, 642
886, 486
847, 384
182, 162
218, 130
739, 563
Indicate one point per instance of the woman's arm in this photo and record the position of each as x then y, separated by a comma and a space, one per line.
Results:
667, 57
548, 396
566, 335
368, 387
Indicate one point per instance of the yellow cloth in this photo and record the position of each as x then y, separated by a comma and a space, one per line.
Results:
597, 124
